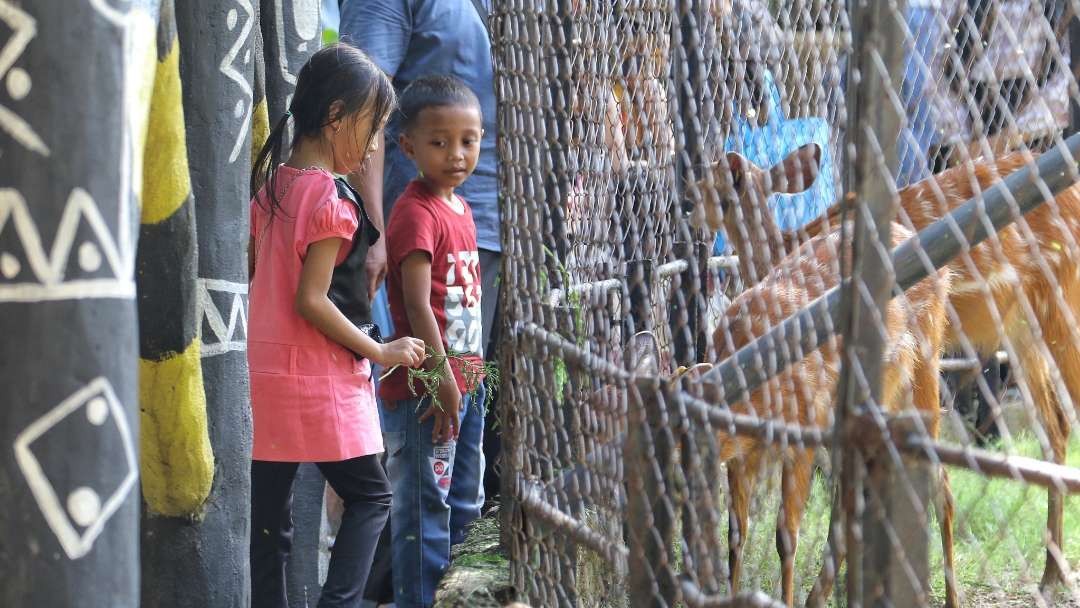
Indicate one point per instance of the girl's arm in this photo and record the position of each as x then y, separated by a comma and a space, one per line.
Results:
315, 307
416, 287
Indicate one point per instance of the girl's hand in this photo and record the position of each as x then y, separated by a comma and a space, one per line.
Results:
447, 418
403, 351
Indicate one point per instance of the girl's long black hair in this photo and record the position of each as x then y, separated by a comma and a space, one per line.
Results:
339, 72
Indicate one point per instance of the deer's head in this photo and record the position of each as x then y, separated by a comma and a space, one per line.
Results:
735, 190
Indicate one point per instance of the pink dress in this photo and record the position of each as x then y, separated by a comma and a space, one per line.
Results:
311, 400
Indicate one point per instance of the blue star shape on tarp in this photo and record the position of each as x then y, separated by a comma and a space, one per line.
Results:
768, 144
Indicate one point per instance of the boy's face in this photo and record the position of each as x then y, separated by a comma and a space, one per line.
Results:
445, 143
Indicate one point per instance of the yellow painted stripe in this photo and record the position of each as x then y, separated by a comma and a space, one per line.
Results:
260, 129
177, 459
166, 181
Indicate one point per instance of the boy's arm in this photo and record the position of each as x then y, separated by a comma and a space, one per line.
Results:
416, 288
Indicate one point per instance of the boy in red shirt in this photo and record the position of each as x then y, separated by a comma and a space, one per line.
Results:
434, 454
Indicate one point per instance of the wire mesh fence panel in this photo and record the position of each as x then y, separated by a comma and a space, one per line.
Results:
792, 299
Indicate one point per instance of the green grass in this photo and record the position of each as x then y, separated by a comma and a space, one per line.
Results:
1000, 530
999, 533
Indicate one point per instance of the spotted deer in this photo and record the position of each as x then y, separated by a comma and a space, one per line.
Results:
804, 393
1020, 288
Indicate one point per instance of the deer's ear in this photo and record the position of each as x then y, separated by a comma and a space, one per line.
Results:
797, 172
739, 165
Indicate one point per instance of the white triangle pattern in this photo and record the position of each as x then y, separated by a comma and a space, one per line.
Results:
50, 265
24, 28
224, 337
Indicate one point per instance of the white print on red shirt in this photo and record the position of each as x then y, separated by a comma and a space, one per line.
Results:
464, 323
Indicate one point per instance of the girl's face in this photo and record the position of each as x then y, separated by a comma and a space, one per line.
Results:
348, 137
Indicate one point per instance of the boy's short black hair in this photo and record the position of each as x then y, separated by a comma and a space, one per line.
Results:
432, 92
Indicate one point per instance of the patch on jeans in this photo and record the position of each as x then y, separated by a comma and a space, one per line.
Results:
441, 468
442, 451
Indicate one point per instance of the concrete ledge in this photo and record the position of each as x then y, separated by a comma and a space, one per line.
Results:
479, 574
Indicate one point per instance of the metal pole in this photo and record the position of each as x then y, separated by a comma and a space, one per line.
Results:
651, 523
873, 561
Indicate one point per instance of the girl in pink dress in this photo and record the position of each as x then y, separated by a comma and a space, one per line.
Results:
311, 394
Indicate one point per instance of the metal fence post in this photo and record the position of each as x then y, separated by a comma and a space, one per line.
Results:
650, 513
694, 111
896, 500
874, 125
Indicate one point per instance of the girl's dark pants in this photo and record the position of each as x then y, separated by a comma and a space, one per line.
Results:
361, 483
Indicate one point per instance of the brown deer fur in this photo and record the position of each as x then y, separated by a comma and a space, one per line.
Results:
804, 394
1020, 288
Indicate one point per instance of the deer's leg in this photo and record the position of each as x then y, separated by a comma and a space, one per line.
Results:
1056, 425
1035, 373
834, 558
794, 491
926, 395
946, 512
1066, 354
742, 473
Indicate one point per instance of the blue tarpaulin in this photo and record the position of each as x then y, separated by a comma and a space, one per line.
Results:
768, 144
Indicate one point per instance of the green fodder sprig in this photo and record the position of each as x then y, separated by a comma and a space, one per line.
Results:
472, 372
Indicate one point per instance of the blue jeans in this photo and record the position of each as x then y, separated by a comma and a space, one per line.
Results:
438, 492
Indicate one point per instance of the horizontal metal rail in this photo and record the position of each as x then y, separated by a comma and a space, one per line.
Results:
970, 363
932, 248
960, 365
531, 499
555, 296
571, 353
716, 262
765, 429
1019, 468
694, 598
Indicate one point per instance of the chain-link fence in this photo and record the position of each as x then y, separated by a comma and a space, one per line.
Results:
790, 289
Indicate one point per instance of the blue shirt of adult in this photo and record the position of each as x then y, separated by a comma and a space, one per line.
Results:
413, 38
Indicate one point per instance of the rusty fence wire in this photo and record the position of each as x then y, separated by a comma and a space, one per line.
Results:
791, 301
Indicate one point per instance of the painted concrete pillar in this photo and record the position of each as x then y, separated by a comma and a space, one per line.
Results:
177, 460
204, 561
177, 457
291, 32
72, 119
260, 121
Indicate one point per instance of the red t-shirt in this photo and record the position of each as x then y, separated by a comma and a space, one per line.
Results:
420, 221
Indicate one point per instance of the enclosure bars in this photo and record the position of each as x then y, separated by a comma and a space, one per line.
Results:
914, 256
913, 260
932, 248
